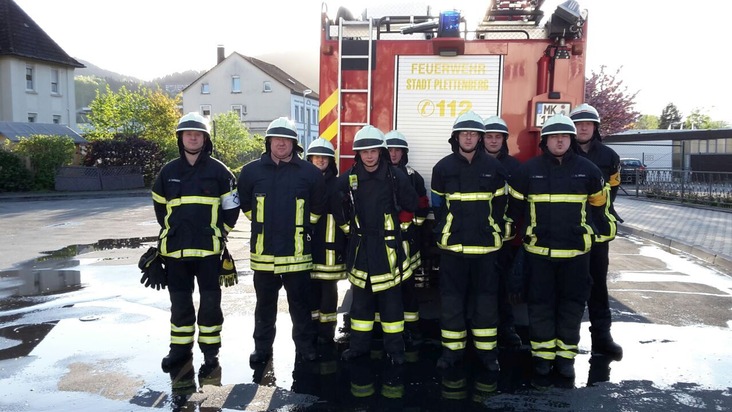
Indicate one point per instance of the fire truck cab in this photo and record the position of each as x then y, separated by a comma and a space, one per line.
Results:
417, 73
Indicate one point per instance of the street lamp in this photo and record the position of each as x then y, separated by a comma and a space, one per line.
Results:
306, 129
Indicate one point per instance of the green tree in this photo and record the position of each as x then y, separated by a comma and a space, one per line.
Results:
46, 154
670, 117
646, 122
149, 114
615, 104
233, 144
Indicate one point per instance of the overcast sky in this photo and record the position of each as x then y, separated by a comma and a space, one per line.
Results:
668, 50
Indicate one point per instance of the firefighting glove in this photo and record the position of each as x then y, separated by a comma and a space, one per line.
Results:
227, 273
154, 274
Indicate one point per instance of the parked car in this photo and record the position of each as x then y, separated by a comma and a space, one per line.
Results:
632, 169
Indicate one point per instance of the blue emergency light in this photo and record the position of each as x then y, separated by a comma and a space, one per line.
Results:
449, 25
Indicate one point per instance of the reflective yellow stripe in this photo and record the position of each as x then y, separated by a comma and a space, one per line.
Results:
330, 229
211, 340
393, 327
450, 334
182, 329
362, 325
454, 345
454, 384
411, 316
181, 340
209, 329
557, 198
549, 344
159, 199
392, 392
314, 218
248, 215
328, 317
515, 193
260, 209
362, 391
470, 197
454, 395
485, 333
566, 354
485, 345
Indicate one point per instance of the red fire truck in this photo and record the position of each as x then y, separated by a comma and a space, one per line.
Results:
417, 73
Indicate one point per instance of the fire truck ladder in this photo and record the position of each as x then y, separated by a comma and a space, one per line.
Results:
342, 92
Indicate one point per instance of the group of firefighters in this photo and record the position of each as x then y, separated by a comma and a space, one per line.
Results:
507, 232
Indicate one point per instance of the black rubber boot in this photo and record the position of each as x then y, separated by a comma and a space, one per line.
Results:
210, 371
603, 344
260, 356
448, 359
176, 358
541, 379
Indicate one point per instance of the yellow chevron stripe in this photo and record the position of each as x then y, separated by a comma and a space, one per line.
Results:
328, 105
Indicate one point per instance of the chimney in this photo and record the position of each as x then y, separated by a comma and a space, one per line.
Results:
220, 54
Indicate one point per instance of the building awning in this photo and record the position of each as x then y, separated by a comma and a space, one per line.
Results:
14, 131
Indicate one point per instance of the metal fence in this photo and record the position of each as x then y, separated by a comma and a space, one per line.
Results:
707, 188
81, 178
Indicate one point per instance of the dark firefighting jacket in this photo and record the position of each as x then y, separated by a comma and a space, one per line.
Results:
558, 202
283, 201
410, 229
371, 204
196, 206
469, 201
511, 164
608, 162
329, 241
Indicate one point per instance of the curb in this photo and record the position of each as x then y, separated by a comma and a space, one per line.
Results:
31, 196
722, 262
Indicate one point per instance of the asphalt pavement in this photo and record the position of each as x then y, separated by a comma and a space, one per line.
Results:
700, 231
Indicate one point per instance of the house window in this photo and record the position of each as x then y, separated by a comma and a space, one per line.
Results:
32, 117
240, 110
267, 87
235, 84
206, 110
205, 88
56, 119
54, 81
29, 74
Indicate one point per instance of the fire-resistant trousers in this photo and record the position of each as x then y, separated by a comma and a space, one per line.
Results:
598, 305
558, 290
391, 313
181, 274
504, 265
267, 286
324, 306
470, 283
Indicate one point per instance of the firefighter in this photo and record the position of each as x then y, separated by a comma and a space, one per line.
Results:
398, 147
283, 196
196, 204
469, 200
587, 121
495, 142
374, 198
328, 243
557, 191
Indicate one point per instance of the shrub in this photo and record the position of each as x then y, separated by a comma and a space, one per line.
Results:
15, 176
46, 154
127, 151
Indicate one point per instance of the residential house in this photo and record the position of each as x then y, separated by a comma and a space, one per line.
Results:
36, 75
257, 91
